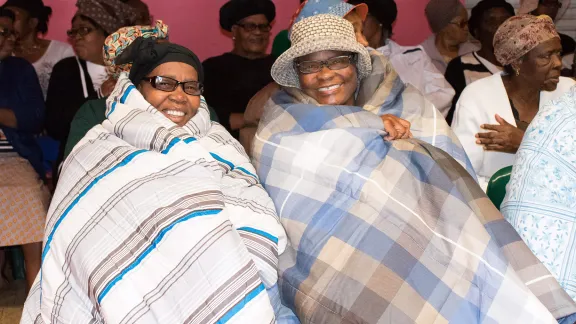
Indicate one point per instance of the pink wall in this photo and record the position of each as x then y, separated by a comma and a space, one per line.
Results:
194, 23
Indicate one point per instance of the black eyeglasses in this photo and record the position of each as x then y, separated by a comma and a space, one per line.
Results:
250, 27
4, 32
82, 31
193, 88
335, 63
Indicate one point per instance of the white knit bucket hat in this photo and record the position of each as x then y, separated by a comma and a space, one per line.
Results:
318, 33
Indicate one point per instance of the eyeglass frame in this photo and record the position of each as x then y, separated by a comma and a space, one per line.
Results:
153, 79
324, 63
254, 27
74, 33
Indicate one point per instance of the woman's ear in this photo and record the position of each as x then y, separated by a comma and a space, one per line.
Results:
234, 32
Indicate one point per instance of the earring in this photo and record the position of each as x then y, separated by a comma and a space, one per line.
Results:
517, 72
233, 38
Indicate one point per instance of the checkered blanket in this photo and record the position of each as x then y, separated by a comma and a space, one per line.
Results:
390, 232
154, 223
383, 92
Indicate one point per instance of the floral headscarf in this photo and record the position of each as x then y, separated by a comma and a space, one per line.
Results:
117, 42
520, 34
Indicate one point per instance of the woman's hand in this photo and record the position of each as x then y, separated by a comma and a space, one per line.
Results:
397, 128
502, 138
107, 87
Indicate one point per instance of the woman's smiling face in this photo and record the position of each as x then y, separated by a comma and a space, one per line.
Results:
177, 105
327, 86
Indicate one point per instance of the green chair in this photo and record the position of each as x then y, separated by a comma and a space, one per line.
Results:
497, 186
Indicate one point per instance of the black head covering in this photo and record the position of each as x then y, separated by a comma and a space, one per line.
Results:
481, 8
146, 54
7, 13
385, 11
235, 10
36, 9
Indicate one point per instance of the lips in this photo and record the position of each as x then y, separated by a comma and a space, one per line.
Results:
329, 89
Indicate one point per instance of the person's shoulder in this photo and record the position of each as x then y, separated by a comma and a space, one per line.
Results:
483, 89
92, 110
18, 65
66, 65
566, 83
216, 60
17, 62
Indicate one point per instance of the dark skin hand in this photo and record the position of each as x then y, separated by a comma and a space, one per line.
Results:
397, 128
501, 138
7, 118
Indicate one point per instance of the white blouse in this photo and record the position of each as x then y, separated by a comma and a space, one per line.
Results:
56, 51
479, 104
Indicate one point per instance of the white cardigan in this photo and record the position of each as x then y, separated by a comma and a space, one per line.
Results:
478, 104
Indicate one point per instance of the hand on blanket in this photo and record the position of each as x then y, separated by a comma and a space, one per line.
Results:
501, 138
397, 128
107, 87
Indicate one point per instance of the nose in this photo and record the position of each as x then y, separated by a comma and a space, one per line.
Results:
325, 74
556, 61
178, 95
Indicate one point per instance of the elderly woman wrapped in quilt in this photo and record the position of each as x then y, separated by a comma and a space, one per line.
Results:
159, 216
380, 231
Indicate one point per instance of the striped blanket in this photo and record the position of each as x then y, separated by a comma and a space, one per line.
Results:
154, 223
390, 232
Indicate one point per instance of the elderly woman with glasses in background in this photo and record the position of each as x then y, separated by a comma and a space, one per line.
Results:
24, 199
32, 19
76, 80
448, 20
233, 78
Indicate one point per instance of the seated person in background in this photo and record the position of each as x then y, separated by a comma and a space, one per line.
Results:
233, 78
24, 199
158, 216
549, 8
448, 20
485, 19
281, 42
411, 63
540, 200
76, 80
382, 231
32, 18
503, 105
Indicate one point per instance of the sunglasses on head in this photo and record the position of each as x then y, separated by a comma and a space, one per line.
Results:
166, 84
